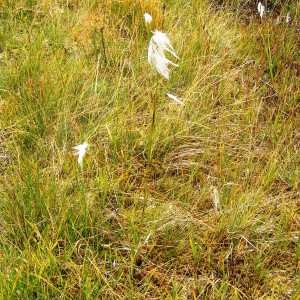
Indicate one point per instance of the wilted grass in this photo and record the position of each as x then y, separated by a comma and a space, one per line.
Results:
139, 222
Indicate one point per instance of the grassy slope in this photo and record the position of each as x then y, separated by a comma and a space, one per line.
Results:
139, 221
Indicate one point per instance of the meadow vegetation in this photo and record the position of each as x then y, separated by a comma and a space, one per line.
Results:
139, 221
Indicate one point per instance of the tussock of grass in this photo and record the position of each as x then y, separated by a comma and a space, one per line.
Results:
139, 222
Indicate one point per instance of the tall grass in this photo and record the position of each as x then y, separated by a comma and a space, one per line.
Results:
138, 222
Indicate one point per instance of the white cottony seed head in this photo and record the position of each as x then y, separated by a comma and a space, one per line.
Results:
80, 151
261, 9
158, 45
147, 18
175, 99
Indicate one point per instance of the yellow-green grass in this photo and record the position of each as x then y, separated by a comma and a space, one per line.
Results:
138, 222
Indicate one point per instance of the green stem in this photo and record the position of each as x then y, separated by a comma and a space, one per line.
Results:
153, 113
103, 45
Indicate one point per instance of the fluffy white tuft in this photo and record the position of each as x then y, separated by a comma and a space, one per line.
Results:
80, 151
261, 9
175, 99
147, 18
158, 45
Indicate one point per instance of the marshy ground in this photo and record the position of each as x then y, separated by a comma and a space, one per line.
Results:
139, 221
